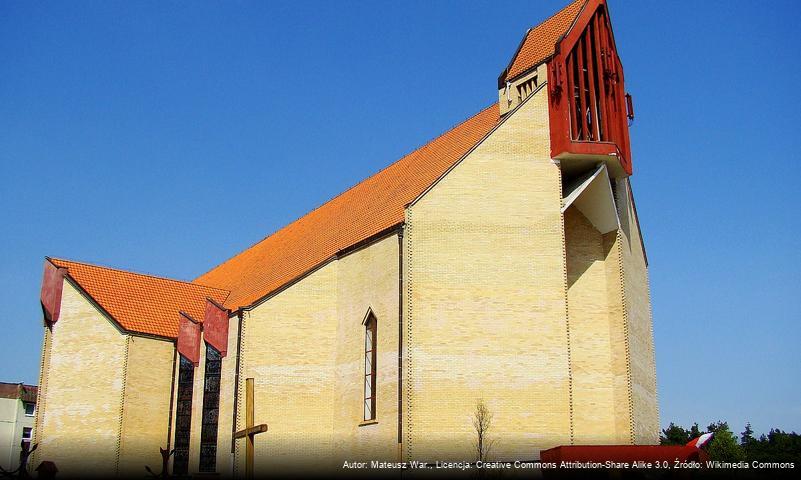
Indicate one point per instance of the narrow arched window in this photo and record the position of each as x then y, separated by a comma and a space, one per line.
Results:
370, 331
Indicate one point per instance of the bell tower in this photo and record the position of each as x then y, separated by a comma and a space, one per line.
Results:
574, 53
572, 59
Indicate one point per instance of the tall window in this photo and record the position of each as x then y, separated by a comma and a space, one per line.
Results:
183, 417
370, 331
211, 411
30, 409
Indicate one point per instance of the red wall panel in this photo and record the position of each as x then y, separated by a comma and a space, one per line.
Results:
623, 453
52, 286
215, 327
189, 338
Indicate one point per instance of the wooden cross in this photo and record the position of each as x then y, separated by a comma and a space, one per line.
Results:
250, 430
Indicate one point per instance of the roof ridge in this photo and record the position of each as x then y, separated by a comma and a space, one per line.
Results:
424, 145
584, 3
545, 30
141, 274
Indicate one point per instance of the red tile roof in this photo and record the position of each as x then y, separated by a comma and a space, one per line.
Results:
141, 303
370, 207
540, 41
20, 391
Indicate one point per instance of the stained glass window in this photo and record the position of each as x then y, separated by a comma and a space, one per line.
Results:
183, 417
211, 411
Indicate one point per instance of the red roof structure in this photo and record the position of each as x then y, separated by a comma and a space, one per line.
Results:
19, 391
141, 303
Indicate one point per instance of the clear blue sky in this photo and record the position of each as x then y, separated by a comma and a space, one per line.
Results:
164, 137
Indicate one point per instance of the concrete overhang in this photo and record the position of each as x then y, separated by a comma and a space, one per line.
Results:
592, 195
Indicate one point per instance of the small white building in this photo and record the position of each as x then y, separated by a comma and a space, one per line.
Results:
17, 410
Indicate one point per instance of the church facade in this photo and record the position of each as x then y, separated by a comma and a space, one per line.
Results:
501, 262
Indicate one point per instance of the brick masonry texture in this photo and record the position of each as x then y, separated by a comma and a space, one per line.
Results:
106, 398
305, 348
592, 326
146, 404
645, 416
486, 303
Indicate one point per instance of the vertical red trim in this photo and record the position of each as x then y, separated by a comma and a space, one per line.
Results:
592, 122
52, 288
582, 112
604, 113
623, 139
189, 338
611, 77
570, 93
560, 101
587, 40
215, 327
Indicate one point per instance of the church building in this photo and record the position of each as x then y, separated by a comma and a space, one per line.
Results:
501, 262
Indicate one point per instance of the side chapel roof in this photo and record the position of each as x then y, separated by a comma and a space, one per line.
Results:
141, 303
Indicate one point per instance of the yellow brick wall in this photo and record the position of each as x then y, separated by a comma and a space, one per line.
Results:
197, 410
148, 385
509, 100
640, 329
592, 326
41, 396
487, 299
620, 366
366, 279
174, 405
83, 389
305, 349
88, 367
227, 398
289, 348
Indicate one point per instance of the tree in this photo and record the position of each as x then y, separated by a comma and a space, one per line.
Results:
674, 435
724, 446
719, 425
780, 446
749, 444
482, 423
747, 436
777, 446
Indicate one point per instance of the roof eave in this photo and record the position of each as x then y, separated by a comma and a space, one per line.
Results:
251, 304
